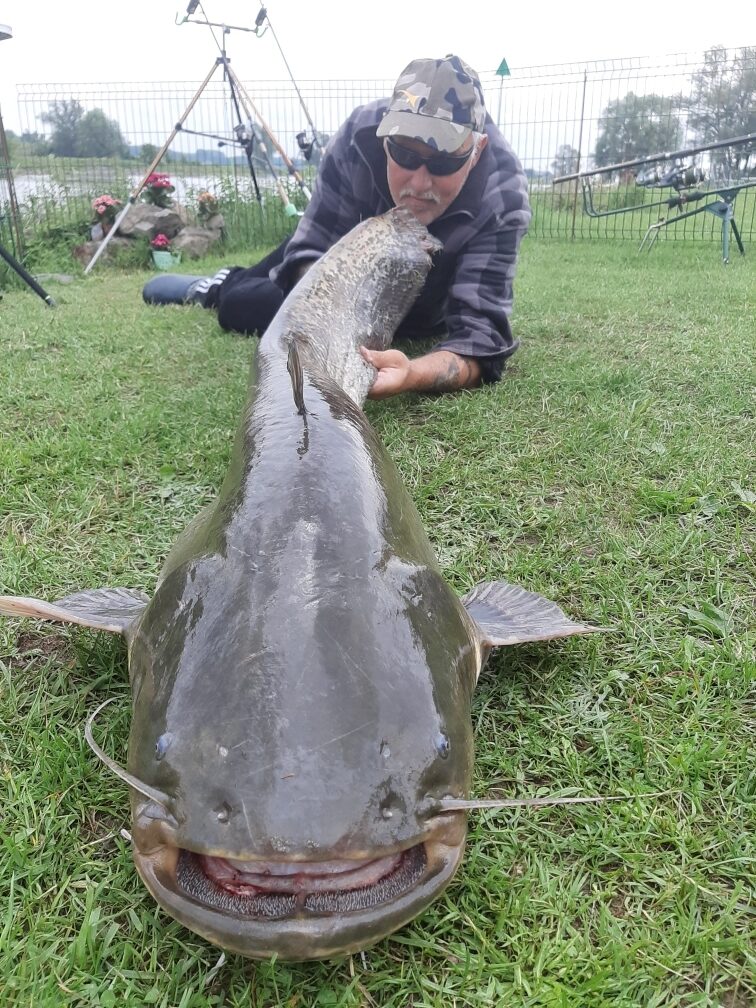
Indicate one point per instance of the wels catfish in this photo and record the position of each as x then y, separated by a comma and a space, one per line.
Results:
301, 744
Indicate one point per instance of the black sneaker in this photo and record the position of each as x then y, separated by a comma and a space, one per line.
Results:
169, 288
204, 290
176, 288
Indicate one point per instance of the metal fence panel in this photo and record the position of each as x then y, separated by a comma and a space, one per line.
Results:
554, 117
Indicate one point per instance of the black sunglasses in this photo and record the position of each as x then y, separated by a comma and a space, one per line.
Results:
437, 164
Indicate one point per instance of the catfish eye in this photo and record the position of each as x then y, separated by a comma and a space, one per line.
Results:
162, 744
442, 744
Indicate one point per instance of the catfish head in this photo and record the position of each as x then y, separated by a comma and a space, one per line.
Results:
301, 687
302, 753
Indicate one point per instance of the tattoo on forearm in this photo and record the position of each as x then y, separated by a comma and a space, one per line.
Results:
457, 374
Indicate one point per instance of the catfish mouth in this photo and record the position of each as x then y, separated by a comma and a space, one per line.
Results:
298, 910
271, 890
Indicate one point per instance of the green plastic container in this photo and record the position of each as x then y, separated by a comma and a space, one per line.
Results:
165, 260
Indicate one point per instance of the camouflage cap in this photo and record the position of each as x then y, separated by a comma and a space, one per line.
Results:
437, 101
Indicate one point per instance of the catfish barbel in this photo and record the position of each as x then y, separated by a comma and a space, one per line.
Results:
300, 751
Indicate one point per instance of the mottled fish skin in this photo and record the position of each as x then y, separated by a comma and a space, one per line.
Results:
356, 296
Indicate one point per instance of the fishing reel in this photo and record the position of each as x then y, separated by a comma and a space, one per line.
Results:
245, 135
248, 134
262, 17
305, 145
676, 176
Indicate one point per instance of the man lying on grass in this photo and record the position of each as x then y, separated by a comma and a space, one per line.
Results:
434, 150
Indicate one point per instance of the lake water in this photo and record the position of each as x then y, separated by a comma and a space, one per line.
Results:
62, 186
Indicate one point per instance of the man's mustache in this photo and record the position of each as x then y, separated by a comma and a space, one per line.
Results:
429, 195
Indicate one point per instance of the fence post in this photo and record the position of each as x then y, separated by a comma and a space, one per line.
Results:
580, 154
501, 73
14, 218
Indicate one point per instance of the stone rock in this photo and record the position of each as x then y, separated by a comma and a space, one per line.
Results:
194, 242
146, 220
83, 253
215, 223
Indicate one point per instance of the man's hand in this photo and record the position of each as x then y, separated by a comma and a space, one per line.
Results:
392, 372
441, 371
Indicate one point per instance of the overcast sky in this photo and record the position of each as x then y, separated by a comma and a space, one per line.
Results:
86, 41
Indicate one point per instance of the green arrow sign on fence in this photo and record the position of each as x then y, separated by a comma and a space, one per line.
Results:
502, 72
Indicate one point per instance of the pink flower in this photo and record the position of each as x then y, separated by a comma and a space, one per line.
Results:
158, 180
160, 241
105, 207
104, 201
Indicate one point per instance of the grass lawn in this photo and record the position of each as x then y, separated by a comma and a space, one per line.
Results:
609, 470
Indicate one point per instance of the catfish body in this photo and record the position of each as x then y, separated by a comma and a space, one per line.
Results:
302, 676
303, 629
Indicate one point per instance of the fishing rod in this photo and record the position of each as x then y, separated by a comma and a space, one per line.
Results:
289, 209
284, 156
304, 146
249, 106
664, 156
26, 276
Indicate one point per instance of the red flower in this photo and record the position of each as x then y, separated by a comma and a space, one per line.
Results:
159, 180
161, 242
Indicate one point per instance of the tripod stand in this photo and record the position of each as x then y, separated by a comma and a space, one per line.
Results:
239, 95
4, 253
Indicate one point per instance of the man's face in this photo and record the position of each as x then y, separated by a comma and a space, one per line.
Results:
424, 194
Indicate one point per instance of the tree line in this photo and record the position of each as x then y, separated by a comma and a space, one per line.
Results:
721, 104
77, 133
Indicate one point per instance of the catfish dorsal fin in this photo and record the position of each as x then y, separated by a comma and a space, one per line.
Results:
294, 367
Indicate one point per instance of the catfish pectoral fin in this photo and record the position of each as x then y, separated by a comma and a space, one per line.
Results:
111, 609
507, 614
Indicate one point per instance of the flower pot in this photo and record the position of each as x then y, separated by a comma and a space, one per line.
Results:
164, 260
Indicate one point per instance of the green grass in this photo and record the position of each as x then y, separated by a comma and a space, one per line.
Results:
608, 470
